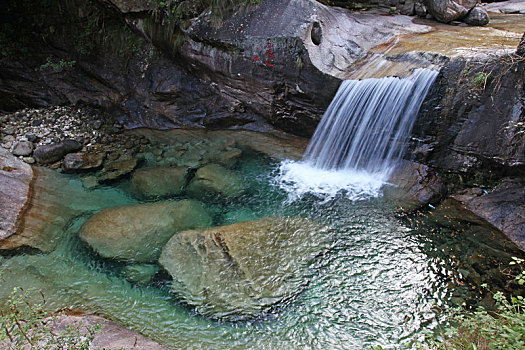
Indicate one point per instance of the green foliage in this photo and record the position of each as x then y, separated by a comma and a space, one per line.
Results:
25, 325
57, 66
480, 81
520, 278
502, 329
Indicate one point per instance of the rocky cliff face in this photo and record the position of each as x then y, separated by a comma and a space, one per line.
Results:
471, 122
278, 63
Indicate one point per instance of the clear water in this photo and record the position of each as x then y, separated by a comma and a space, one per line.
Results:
380, 282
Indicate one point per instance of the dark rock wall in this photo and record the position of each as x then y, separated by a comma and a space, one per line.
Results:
469, 123
162, 77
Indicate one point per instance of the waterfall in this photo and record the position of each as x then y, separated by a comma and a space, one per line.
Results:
362, 133
367, 123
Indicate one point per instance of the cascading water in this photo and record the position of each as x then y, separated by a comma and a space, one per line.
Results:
361, 134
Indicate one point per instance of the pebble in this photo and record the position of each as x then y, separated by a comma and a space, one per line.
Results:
9, 138
23, 148
97, 124
29, 160
9, 130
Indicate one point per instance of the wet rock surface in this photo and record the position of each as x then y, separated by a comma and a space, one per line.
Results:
502, 207
471, 128
240, 270
138, 232
415, 185
83, 161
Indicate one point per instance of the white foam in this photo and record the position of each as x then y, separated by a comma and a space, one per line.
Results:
301, 178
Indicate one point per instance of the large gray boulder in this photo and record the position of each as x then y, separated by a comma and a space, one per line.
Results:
138, 232
160, 181
449, 10
241, 269
15, 180
47, 154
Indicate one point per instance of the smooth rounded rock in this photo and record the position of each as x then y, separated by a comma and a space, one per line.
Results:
138, 232
414, 185
160, 181
477, 17
447, 11
216, 179
29, 160
239, 270
9, 130
51, 153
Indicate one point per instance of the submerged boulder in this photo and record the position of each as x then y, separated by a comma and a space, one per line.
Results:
117, 169
138, 232
140, 274
160, 181
241, 269
216, 179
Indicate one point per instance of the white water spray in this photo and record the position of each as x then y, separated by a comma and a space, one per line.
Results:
361, 134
